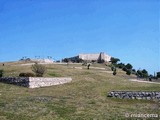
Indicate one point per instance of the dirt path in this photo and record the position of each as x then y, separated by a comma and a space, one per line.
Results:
135, 80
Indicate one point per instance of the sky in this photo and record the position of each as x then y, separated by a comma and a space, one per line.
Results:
125, 29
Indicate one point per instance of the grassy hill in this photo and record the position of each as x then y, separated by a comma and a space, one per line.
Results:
85, 98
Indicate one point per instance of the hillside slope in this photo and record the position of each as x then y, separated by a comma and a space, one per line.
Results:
84, 98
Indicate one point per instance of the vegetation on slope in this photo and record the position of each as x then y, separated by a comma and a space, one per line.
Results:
84, 98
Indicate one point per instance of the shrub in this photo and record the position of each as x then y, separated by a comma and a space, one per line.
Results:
114, 72
142, 73
113, 68
158, 74
145, 73
1, 73
38, 69
129, 66
121, 65
26, 75
128, 72
139, 73
88, 65
114, 60
66, 60
124, 69
133, 70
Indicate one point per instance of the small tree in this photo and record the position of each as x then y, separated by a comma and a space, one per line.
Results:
139, 73
115, 72
158, 74
129, 66
113, 68
124, 69
114, 60
145, 73
38, 69
1, 73
142, 73
65, 60
128, 72
121, 65
133, 71
88, 65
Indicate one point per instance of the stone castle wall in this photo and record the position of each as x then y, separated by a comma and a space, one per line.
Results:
135, 95
100, 56
89, 56
35, 82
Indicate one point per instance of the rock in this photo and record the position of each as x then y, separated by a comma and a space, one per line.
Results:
148, 98
138, 98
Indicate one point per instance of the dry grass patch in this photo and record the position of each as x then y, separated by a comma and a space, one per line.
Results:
84, 98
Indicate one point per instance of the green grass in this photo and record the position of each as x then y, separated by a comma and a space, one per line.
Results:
85, 98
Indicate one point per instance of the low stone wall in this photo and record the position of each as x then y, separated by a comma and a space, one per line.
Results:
135, 95
35, 82
20, 81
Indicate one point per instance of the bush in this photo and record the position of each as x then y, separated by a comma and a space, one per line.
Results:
1, 73
113, 68
128, 72
145, 73
66, 60
129, 66
142, 73
26, 75
139, 73
88, 65
158, 74
38, 69
114, 72
121, 65
114, 60
124, 69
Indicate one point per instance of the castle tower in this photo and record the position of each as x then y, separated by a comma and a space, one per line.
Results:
101, 58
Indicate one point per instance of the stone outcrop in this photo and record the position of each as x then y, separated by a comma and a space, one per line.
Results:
147, 95
35, 82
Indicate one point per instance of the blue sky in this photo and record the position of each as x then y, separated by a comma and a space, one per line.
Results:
126, 29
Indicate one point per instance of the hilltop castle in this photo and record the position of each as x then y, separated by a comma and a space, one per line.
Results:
101, 57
